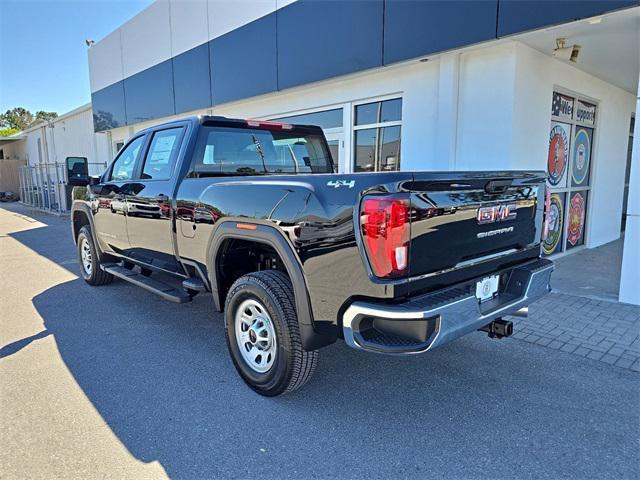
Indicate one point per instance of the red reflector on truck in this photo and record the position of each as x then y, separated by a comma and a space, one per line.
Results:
269, 125
385, 229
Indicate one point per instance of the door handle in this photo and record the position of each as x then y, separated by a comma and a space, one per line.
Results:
161, 198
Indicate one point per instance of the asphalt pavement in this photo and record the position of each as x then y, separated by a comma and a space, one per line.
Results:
114, 382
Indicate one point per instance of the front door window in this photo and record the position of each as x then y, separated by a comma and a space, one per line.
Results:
123, 167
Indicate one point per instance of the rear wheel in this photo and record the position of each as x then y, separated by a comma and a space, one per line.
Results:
89, 261
263, 335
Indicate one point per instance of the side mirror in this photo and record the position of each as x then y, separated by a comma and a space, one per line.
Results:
77, 171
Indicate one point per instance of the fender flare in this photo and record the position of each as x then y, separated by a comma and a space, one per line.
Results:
271, 236
84, 208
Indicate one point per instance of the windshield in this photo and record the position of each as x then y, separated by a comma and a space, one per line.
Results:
247, 151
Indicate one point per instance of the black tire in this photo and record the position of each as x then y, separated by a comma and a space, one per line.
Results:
96, 276
293, 366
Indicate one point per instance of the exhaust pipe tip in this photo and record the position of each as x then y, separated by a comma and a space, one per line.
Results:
522, 313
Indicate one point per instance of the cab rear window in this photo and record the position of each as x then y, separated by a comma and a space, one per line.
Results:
249, 151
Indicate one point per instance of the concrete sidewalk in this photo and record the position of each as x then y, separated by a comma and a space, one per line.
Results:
591, 273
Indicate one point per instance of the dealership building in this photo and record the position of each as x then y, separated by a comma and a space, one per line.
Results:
406, 85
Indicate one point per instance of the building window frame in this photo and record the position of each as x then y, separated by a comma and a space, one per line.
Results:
569, 189
333, 134
345, 135
377, 125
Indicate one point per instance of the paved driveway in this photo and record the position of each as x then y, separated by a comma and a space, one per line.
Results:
115, 382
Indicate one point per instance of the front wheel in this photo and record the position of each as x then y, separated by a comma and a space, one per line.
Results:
88, 260
263, 335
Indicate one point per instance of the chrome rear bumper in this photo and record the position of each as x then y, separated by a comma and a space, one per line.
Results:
431, 320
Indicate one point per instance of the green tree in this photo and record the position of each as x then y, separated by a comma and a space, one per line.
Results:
18, 117
7, 132
21, 118
41, 115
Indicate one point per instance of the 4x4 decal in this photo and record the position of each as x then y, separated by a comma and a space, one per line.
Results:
341, 183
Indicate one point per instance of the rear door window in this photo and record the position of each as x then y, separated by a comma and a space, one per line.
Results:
162, 154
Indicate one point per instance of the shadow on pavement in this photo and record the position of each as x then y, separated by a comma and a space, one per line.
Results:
160, 376
18, 345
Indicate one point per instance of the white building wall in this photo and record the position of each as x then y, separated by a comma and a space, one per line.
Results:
146, 38
189, 24
70, 135
536, 76
34, 153
74, 136
485, 109
225, 16
630, 274
105, 62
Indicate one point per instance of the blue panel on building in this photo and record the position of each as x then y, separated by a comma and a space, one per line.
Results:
191, 81
413, 29
523, 15
243, 61
318, 40
108, 107
149, 94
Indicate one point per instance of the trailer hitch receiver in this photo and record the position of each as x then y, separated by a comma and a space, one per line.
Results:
499, 328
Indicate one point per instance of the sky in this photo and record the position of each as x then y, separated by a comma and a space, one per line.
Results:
43, 55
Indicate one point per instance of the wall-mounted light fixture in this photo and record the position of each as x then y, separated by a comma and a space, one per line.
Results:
566, 52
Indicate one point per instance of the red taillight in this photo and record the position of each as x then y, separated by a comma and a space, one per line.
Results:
385, 228
547, 207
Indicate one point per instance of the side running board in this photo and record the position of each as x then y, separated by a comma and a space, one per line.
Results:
166, 291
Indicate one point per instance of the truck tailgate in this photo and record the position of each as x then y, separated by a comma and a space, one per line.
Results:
472, 217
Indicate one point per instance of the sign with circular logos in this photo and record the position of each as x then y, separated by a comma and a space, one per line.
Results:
575, 229
558, 156
554, 220
581, 156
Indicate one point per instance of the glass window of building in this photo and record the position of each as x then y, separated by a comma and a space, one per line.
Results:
377, 135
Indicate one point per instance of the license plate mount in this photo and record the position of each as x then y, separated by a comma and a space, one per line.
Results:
487, 288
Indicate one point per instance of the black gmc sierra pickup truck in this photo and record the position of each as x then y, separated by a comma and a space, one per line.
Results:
298, 256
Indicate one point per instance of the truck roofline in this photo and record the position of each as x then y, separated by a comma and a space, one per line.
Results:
219, 120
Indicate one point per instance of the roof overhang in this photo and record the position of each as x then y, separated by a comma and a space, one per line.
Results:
12, 139
609, 45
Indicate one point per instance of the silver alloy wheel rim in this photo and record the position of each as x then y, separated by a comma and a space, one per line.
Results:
256, 335
85, 253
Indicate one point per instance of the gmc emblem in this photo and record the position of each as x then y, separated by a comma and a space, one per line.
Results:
497, 213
